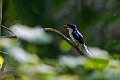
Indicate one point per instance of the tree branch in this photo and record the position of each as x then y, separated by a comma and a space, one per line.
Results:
9, 31
66, 39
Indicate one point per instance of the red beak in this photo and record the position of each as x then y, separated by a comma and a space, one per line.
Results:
65, 26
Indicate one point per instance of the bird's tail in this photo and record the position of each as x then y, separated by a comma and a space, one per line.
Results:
87, 49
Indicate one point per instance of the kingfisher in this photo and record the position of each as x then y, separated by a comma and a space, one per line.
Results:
75, 35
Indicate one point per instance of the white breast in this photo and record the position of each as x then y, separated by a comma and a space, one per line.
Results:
70, 33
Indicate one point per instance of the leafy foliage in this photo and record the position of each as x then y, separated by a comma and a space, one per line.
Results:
42, 56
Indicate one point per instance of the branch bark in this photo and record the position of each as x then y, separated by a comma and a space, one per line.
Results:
66, 39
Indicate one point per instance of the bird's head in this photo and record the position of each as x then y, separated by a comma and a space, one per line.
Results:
70, 26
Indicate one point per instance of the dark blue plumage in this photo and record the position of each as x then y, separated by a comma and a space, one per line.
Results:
74, 33
78, 37
72, 26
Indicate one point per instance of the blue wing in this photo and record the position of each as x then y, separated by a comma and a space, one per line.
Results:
78, 36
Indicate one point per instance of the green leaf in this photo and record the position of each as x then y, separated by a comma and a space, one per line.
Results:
1, 61
98, 64
64, 46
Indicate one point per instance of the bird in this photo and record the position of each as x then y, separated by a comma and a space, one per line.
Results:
76, 36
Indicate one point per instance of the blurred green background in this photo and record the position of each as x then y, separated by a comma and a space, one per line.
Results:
38, 55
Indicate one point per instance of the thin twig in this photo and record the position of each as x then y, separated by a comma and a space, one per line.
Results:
8, 36
8, 30
66, 39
